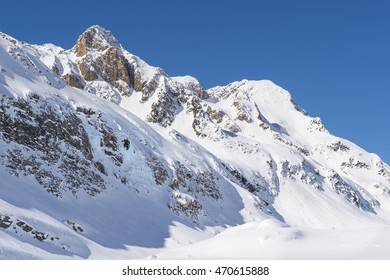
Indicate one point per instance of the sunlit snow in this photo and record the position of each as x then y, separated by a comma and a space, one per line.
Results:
298, 162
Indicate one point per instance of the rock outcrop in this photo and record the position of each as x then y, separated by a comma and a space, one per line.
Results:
47, 137
216, 157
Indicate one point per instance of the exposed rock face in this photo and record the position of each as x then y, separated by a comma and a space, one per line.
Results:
22, 228
57, 139
84, 43
104, 68
355, 163
94, 38
279, 137
201, 183
243, 113
164, 110
188, 187
114, 67
101, 57
76, 227
74, 80
303, 172
5, 221
160, 173
316, 125
87, 71
383, 170
109, 143
339, 146
188, 205
266, 189
352, 194
232, 142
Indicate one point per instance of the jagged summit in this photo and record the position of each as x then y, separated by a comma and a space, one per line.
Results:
95, 38
200, 162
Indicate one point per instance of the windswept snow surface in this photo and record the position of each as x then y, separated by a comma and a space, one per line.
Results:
270, 239
280, 186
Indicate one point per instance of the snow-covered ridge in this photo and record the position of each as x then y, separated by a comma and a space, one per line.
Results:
200, 162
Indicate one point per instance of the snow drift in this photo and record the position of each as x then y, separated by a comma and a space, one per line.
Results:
237, 171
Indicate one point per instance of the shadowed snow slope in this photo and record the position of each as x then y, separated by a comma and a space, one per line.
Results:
236, 171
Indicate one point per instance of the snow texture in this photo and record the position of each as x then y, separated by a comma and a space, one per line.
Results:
235, 171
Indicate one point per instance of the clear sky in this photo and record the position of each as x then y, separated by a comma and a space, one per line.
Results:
333, 56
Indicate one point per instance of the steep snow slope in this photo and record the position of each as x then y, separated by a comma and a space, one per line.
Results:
206, 168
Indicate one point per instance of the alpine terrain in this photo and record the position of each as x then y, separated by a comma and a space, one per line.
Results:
235, 171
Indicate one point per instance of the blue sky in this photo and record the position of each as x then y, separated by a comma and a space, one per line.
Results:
333, 56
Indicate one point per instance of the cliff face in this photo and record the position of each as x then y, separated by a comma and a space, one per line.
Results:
201, 158
46, 136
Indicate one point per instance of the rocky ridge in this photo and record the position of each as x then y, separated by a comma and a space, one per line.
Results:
235, 138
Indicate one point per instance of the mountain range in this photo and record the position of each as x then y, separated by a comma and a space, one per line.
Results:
234, 171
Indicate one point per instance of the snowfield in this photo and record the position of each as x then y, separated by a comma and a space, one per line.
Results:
234, 172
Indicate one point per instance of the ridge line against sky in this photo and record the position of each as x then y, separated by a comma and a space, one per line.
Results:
332, 56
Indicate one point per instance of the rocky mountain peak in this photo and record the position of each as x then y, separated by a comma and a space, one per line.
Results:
95, 38
200, 161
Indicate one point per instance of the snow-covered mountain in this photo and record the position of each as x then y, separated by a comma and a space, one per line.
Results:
236, 171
